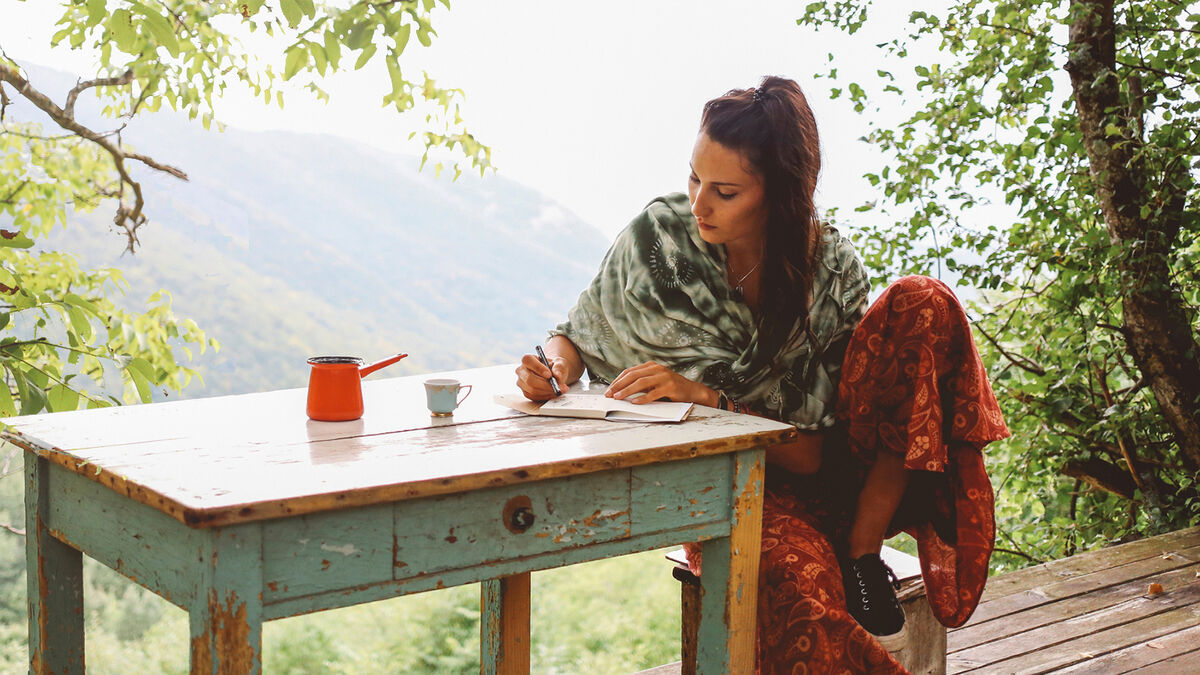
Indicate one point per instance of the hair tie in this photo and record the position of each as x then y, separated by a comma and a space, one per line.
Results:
757, 94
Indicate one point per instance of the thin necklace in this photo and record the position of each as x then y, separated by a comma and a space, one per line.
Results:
737, 286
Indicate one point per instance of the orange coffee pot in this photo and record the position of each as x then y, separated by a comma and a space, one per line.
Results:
335, 387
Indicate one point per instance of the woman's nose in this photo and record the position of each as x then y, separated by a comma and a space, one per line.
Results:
700, 206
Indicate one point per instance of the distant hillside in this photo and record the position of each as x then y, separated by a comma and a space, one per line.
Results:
284, 246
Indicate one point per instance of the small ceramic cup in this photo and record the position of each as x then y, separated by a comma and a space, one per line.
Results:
442, 396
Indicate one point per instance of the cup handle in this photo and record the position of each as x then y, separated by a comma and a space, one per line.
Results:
467, 389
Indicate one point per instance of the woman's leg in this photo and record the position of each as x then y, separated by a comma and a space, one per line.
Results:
802, 616
882, 491
893, 394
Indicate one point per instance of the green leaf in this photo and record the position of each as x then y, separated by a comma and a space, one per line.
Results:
33, 399
333, 49
307, 7
360, 34
142, 374
96, 12
297, 58
4, 318
7, 278
123, 33
14, 239
402, 37
364, 57
318, 55
251, 7
160, 27
291, 12
80, 323
61, 398
84, 304
8, 407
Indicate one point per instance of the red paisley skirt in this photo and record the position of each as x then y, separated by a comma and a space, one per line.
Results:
912, 384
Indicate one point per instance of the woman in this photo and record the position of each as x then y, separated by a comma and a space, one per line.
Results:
736, 296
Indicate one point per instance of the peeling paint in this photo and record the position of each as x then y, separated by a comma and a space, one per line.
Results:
345, 549
228, 634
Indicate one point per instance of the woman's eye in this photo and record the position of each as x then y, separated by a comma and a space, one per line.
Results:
693, 179
723, 195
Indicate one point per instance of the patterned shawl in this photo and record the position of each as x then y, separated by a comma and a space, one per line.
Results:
661, 295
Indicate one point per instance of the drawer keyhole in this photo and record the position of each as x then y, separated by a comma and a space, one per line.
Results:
517, 515
522, 519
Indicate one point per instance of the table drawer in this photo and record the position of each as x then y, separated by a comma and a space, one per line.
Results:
503, 523
322, 552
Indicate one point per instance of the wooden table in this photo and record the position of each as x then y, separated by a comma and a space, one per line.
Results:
239, 510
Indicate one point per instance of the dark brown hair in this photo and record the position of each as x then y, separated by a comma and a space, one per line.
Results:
774, 129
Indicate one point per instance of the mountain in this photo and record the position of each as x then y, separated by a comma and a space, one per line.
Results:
284, 246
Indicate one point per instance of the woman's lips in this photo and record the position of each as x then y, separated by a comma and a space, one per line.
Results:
705, 226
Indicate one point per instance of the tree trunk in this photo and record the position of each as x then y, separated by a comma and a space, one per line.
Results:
1158, 334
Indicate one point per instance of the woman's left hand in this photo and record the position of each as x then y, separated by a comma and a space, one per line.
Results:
658, 382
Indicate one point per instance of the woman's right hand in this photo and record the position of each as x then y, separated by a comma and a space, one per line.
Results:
533, 378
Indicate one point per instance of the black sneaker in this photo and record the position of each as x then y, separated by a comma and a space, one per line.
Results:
871, 598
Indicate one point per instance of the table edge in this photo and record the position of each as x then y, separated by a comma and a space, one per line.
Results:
235, 514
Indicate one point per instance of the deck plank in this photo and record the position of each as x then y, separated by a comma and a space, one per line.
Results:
1167, 648
1057, 602
1091, 613
1184, 663
1091, 561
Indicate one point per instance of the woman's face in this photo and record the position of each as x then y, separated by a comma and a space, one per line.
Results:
727, 196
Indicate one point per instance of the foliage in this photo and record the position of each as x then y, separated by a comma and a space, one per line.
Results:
61, 324
988, 179
65, 333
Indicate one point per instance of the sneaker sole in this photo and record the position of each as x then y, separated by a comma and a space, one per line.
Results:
896, 641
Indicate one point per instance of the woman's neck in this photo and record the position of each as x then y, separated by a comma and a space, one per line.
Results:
741, 257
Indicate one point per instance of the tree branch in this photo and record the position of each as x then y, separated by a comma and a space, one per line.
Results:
1102, 475
12, 195
1158, 71
128, 218
1027, 33
1019, 554
81, 86
1016, 359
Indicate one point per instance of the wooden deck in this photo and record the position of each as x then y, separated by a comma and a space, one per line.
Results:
1091, 613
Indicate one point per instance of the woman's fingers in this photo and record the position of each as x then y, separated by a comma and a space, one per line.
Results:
652, 380
533, 379
533, 364
625, 379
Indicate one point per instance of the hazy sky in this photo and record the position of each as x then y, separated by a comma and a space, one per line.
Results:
594, 104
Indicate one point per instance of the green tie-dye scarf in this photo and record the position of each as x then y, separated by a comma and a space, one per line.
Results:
661, 295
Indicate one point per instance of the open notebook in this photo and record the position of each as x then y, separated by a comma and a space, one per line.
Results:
597, 406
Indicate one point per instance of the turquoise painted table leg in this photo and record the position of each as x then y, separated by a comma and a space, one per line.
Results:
504, 626
226, 619
729, 578
55, 575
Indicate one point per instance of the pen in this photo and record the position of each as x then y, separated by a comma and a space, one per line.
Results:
553, 382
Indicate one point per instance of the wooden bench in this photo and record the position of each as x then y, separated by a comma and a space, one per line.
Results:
925, 649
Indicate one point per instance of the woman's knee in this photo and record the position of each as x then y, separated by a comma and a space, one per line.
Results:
919, 283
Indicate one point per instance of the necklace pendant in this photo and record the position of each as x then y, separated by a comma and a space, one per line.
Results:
738, 294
